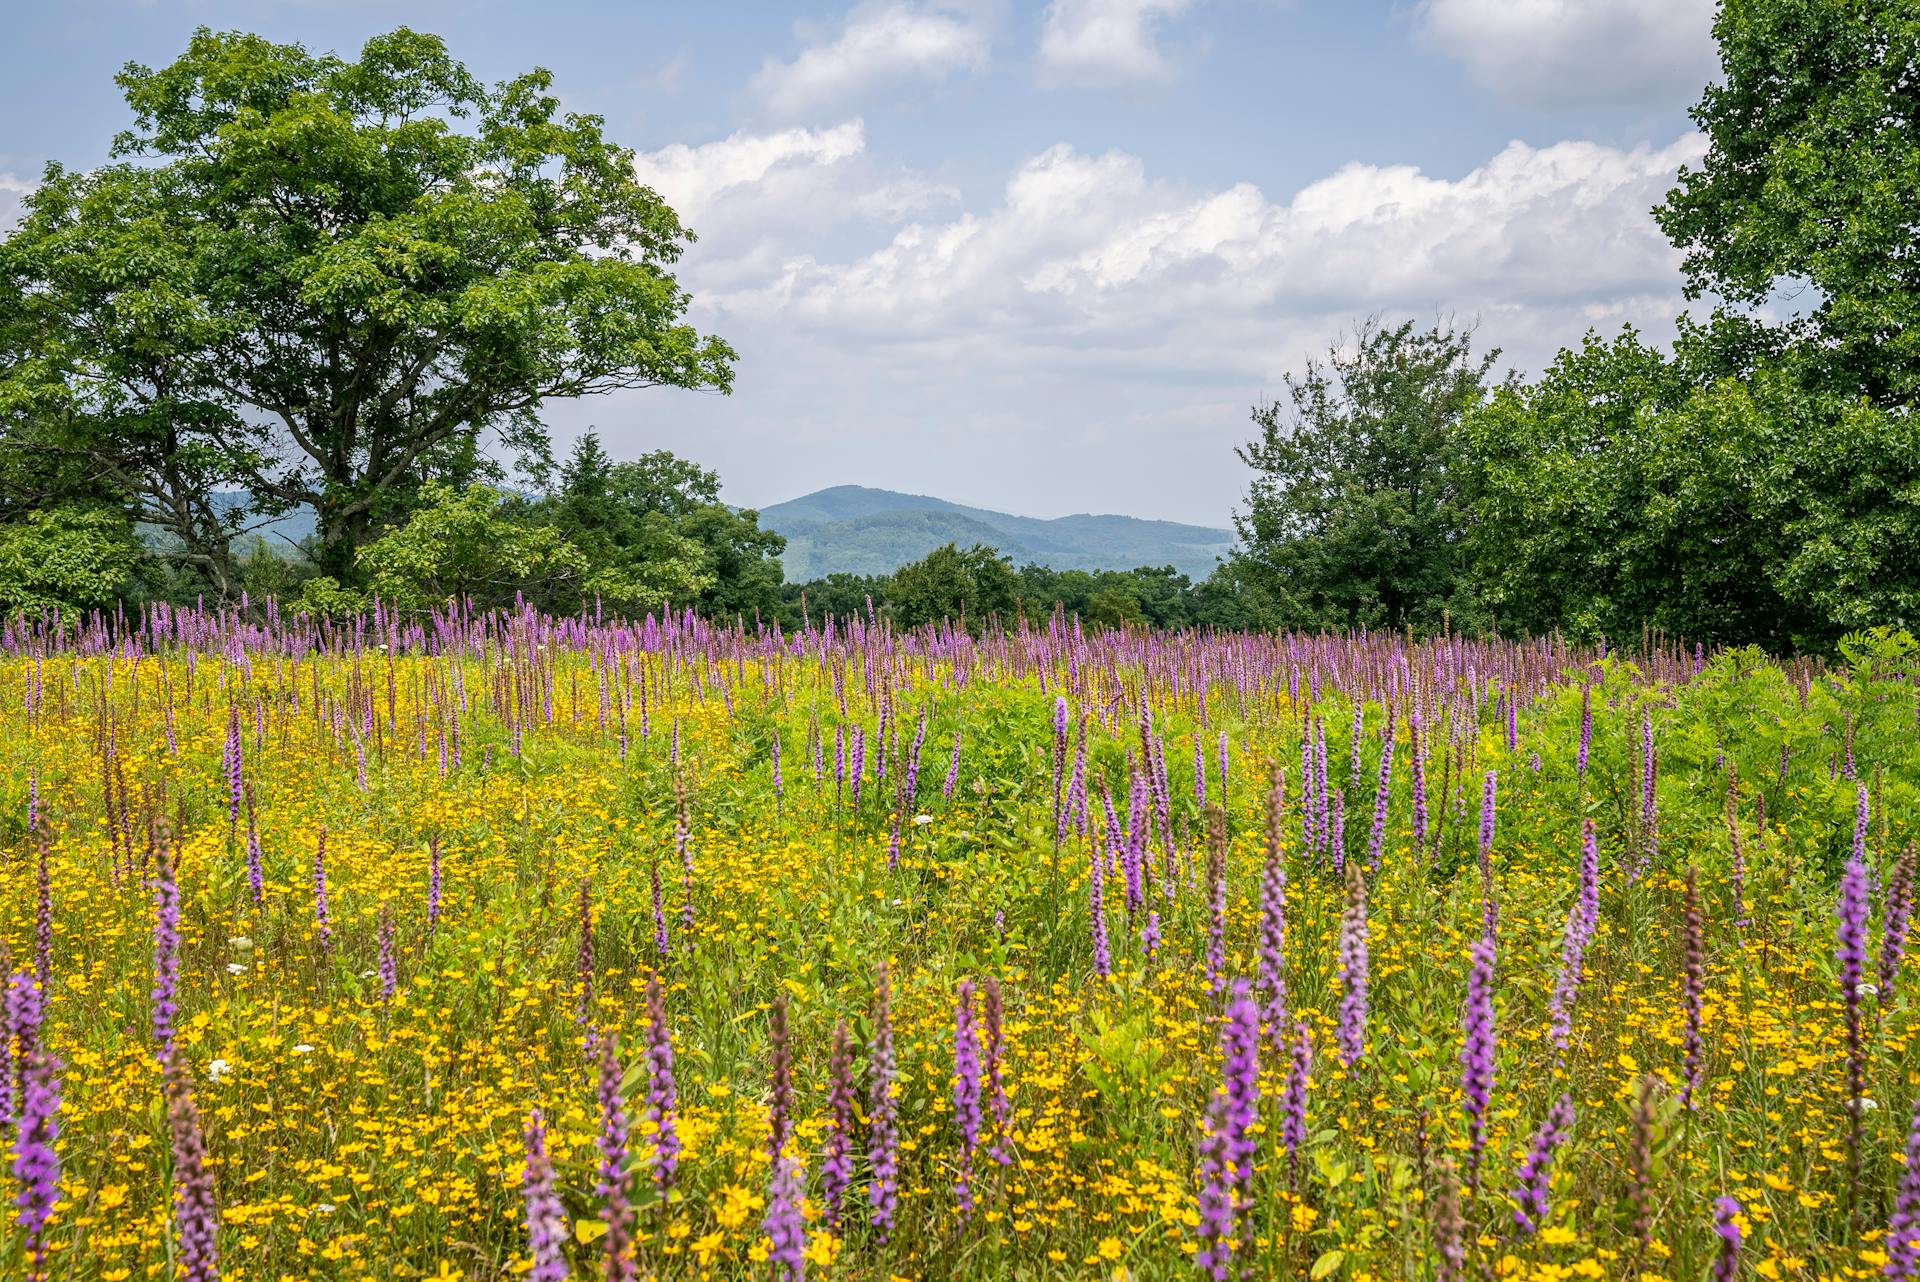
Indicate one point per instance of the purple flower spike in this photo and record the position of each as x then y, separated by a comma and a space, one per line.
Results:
836, 1165
663, 1107
883, 1127
999, 1108
1531, 1185
166, 955
1293, 1105
1726, 1226
36, 1157
966, 1093
784, 1225
1097, 916
546, 1219
1693, 981
1273, 913
1353, 970
616, 1211
1903, 1229
1478, 1047
196, 1220
1228, 1147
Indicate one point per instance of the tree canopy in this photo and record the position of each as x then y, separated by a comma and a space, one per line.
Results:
1351, 519
325, 283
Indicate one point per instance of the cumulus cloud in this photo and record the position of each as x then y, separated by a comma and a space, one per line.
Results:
1092, 253
876, 44
1578, 53
1106, 42
691, 178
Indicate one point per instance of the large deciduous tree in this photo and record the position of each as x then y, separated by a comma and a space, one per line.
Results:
325, 282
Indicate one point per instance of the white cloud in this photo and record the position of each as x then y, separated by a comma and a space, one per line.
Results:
1579, 53
877, 44
1089, 253
1106, 42
691, 178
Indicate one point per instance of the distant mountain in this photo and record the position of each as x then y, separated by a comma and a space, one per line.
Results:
855, 530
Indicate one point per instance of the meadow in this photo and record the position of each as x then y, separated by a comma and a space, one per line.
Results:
487, 945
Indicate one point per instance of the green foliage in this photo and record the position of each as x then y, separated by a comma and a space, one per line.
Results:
1625, 488
68, 559
1353, 518
952, 585
1810, 178
654, 530
459, 544
301, 279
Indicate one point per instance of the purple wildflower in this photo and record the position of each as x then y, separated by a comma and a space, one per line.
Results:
1693, 979
1227, 1147
1353, 970
1199, 773
999, 1108
1059, 769
1379, 835
953, 770
1273, 913
1726, 1226
166, 955
1449, 1228
389, 974
836, 1164
546, 1219
682, 846
231, 758
660, 942
1150, 936
1077, 785
785, 1229
883, 1126
1850, 953
1217, 902
256, 873
1531, 1185
1903, 1229
1582, 917
1897, 919
1293, 1104
196, 1221
1478, 1047
966, 1093
1097, 916
43, 919
36, 1159
1737, 857
322, 920
616, 1212
1417, 769
663, 1101
1223, 767
433, 884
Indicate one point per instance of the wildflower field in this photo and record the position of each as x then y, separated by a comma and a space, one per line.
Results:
491, 945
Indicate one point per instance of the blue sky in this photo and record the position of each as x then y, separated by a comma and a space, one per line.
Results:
1044, 257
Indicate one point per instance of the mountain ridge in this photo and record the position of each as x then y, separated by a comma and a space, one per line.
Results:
857, 529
